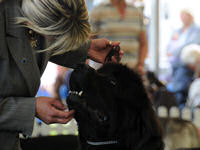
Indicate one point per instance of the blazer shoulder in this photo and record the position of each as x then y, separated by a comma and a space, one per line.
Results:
2, 14
2, 5
7, 3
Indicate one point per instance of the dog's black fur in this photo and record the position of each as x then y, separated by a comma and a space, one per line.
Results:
113, 106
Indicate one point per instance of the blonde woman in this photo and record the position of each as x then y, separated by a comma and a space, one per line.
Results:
33, 32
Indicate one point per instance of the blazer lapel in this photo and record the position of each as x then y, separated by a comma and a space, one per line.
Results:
20, 49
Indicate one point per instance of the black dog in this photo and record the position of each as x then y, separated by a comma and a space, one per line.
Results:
113, 110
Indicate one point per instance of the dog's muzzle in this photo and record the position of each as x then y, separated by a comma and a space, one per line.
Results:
77, 102
74, 100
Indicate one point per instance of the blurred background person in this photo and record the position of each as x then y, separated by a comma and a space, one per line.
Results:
119, 20
184, 74
59, 81
90, 4
189, 33
193, 100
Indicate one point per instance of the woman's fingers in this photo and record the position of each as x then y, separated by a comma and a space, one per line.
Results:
51, 110
61, 120
62, 114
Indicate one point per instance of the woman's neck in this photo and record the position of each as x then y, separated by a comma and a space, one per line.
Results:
121, 7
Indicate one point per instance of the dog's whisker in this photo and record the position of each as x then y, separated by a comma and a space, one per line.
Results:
76, 93
73, 92
113, 82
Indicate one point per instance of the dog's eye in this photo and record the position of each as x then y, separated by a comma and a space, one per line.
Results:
101, 116
113, 82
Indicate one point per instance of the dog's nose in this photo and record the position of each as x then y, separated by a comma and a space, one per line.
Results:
76, 101
73, 96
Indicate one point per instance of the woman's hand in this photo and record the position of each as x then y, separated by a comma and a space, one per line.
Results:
51, 110
99, 49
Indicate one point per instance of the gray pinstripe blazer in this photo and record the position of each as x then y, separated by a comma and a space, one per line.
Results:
20, 76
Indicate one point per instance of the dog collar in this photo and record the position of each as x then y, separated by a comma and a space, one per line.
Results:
102, 143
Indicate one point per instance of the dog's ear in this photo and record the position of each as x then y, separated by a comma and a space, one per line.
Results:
129, 88
147, 131
143, 128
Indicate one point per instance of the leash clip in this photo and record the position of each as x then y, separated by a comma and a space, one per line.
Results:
113, 52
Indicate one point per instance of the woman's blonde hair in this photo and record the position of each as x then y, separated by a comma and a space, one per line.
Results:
66, 22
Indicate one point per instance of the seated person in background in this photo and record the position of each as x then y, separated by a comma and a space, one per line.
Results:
60, 86
59, 81
194, 94
184, 74
189, 33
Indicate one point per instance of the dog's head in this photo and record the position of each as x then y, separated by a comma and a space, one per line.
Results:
112, 106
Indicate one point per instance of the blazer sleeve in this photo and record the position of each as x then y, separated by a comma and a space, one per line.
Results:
16, 113
73, 57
